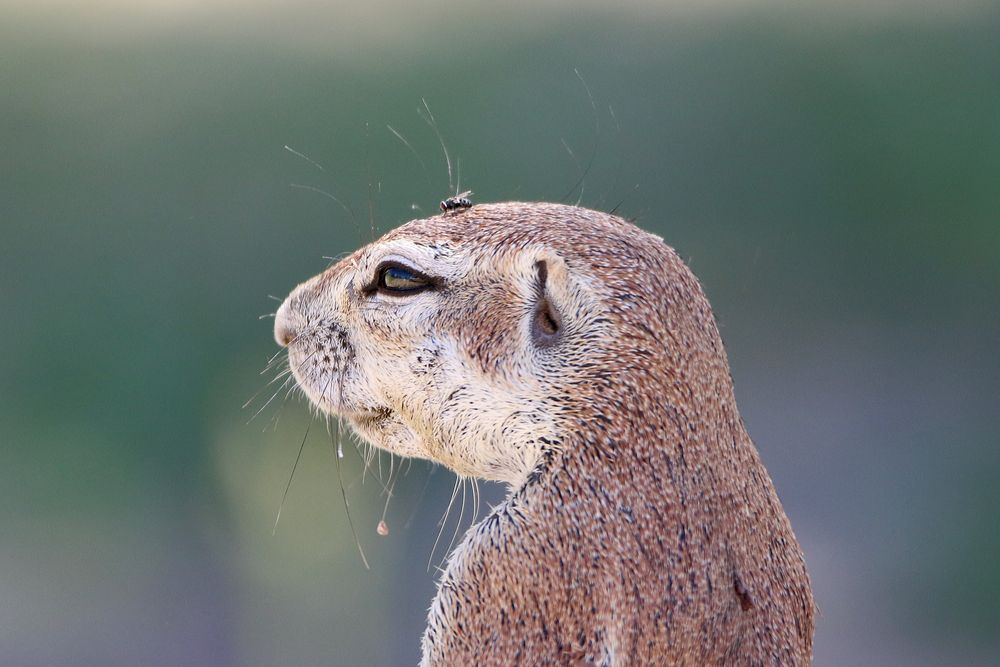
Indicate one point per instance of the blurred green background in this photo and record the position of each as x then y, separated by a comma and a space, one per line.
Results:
832, 174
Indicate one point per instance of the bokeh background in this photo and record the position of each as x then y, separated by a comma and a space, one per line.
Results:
831, 171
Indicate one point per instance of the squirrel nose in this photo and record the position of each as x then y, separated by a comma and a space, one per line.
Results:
284, 331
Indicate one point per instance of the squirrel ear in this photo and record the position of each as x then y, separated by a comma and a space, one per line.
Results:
546, 323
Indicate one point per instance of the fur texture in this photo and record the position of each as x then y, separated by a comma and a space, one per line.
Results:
641, 527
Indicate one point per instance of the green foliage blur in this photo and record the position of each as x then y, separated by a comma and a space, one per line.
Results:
832, 175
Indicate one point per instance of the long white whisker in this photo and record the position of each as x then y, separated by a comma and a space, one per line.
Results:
458, 524
420, 498
304, 157
444, 521
312, 188
383, 527
475, 500
277, 377
597, 136
284, 401
284, 384
412, 150
429, 119
262, 408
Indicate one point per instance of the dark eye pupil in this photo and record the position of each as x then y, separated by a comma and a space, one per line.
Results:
399, 279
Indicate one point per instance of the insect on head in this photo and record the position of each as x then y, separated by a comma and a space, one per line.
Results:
457, 202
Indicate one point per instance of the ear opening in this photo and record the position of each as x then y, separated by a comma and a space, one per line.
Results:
546, 324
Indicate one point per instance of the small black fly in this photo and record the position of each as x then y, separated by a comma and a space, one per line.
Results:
457, 202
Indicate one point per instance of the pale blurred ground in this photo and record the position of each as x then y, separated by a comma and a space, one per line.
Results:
831, 174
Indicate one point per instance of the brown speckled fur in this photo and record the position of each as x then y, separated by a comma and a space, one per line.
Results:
649, 532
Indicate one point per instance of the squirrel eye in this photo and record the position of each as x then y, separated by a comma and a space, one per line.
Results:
397, 279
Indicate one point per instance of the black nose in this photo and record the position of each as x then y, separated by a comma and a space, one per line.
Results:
284, 330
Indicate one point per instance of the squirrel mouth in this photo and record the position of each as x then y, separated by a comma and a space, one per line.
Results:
371, 418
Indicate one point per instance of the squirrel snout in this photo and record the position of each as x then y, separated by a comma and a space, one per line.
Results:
284, 329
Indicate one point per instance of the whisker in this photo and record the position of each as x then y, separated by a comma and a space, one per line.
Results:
284, 495
579, 168
367, 459
612, 212
269, 383
295, 466
268, 402
307, 331
412, 150
597, 135
281, 406
275, 362
304, 157
343, 493
420, 498
444, 521
368, 179
475, 500
344, 206
429, 119
383, 527
338, 456
263, 407
271, 359
458, 524
277, 414
338, 258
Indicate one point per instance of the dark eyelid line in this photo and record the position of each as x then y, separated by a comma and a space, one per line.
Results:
372, 285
